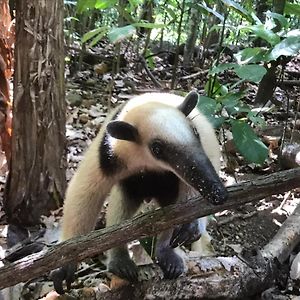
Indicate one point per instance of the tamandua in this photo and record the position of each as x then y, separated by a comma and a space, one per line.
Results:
156, 146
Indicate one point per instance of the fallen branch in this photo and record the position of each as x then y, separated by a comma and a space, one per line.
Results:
208, 278
154, 80
285, 83
78, 249
285, 240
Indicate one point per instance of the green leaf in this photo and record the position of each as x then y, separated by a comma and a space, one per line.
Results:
238, 8
217, 89
255, 119
148, 25
251, 72
282, 20
265, 34
232, 103
97, 38
89, 35
251, 55
209, 107
294, 32
217, 121
292, 9
83, 5
171, 12
118, 34
104, 4
204, 7
222, 67
248, 143
288, 47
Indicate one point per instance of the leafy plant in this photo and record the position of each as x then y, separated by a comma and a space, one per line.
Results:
226, 108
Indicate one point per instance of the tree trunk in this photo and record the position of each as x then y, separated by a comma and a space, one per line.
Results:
278, 7
37, 180
192, 36
6, 62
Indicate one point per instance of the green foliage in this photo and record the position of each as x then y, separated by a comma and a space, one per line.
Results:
84, 5
247, 142
118, 34
264, 33
292, 9
239, 9
225, 107
249, 72
224, 104
96, 35
284, 43
289, 46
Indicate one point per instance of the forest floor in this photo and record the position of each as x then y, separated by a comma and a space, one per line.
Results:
245, 228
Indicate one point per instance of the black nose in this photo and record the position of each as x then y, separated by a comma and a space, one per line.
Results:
216, 194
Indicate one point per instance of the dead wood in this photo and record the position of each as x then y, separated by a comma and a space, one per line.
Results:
288, 83
141, 226
208, 278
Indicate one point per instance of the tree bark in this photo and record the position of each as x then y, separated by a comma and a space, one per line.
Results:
37, 180
6, 62
190, 44
77, 249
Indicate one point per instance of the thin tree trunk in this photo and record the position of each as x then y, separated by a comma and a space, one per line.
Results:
37, 181
192, 36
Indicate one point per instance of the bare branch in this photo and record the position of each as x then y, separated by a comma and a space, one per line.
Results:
78, 249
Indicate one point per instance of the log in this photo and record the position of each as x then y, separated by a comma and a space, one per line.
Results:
77, 249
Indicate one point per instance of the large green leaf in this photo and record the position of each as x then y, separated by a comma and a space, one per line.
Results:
238, 8
209, 107
204, 8
292, 9
248, 143
256, 119
288, 47
251, 72
266, 34
251, 55
281, 19
222, 67
118, 34
97, 38
92, 33
232, 103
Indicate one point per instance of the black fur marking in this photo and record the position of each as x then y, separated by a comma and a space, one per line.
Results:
109, 162
195, 131
122, 131
146, 185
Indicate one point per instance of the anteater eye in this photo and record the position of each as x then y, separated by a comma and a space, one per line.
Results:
156, 147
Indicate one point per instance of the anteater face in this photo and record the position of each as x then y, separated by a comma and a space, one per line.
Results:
156, 136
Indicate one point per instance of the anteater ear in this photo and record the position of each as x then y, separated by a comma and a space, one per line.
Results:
123, 131
189, 103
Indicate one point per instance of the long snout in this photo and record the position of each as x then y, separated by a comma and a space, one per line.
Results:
198, 172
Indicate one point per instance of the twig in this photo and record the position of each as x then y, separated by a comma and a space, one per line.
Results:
154, 80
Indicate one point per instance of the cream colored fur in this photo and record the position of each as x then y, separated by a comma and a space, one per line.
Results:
89, 187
